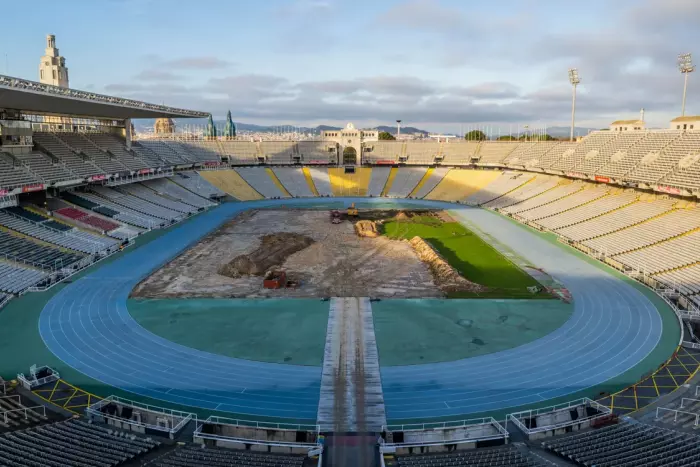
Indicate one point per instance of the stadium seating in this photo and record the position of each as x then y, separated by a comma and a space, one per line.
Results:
278, 152
194, 456
422, 152
378, 180
429, 182
15, 278
540, 184
71, 443
101, 159
565, 203
622, 162
652, 170
47, 169
13, 174
259, 179
293, 180
116, 146
509, 456
599, 157
113, 210
686, 279
140, 191
88, 219
137, 204
149, 156
205, 151
459, 184
494, 152
232, 183
589, 148
405, 181
664, 256
18, 415
321, 181
24, 250
349, 184
507, 182
380, 151
162, 151
193, 182
628, 445
166, 187
241, 152
459, 152
589, 211
324, 152
527, 154
564, 188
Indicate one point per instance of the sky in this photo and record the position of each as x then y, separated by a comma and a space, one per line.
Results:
440, 65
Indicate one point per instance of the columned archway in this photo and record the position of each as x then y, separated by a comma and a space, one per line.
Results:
349, 155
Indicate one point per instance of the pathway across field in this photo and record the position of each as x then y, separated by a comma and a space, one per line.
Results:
613, 327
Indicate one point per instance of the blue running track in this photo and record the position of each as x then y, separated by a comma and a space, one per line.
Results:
613, 328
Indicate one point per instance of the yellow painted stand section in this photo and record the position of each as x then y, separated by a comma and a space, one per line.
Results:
349, 184
390, 180
232, 183
277, 182
425, 178
459, 184
310, 181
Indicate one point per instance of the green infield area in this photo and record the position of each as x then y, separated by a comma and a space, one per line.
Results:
465, 251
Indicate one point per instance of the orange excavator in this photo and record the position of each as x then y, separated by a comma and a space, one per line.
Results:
352, 210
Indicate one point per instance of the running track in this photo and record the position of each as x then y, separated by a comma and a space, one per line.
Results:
613, 327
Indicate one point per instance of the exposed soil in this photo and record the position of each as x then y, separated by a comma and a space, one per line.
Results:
274, 250
365, 228
337, 263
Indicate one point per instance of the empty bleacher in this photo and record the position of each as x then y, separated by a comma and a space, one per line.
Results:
89, 220
628, 445
140, 191
117, 146
101, 159
15, 278
241, 152
528, 153
71, 443
166, 187
230, 181
378, 180
507, 456
646, 149
293, 179
48, 169
429, 182
193, 182
597, 158
566, 203
422, 152
195, 456
78, 165
459, 184
459, 152
507, 182
664, 256
556, 152
15, 415
651, 170
382, 151
137, 204
162, 151
589, 211
565, 188
23, 250
321, 181
494, 152
14, 174
278, 152
686, 279
259, 179
589, 148
107, 208
540, 184
405, 181
318, 152
349, 183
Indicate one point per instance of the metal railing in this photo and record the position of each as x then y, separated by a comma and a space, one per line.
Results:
516, 417
6, 414
263, 425
177, 418
676, 414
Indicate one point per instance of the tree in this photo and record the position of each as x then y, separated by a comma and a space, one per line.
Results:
386, 136
475, 135
536, 137
507, 138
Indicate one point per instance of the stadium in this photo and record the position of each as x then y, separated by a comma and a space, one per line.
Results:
211, 299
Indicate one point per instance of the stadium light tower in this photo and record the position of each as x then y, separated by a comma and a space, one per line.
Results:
685, 66
574, 80
398, 129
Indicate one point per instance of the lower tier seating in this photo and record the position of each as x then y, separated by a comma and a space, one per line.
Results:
15, 278
496, 457
195, 456
23, 249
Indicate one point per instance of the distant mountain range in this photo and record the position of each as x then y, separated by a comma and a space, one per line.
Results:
146, 125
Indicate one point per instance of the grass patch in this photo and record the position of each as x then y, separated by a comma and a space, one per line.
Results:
471, 256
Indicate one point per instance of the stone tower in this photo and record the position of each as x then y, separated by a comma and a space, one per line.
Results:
52, 69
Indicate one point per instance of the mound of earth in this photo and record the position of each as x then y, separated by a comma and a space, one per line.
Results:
445, 276
402, 216
274, 249
366, 229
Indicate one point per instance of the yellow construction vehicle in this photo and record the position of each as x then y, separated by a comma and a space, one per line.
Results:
352, 210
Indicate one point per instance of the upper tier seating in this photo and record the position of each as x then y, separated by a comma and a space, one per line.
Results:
196, 184
422, 152
137, 204
507, 456
528, 154
194, 456
100, 158
494, 152
71, 443
534, 187
599, 157
555, 154
387, 151
628, 445
204, 151
564, 189
150, 157
83, 167
48, 169
588, 211
655, 230
653, 169
117, 146
15, 278
646, 149
113, 210
278, 152
459, 152
24, 250
13, 174
590, 147
140, 191
172, 189
193, 151
241, 152
162, 151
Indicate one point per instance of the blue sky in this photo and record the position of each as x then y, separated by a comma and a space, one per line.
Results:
436, 64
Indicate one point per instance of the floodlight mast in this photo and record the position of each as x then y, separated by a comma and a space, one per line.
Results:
398, 129
685, 66
574, 80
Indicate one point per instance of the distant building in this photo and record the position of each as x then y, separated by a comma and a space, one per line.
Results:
686, 123
350, 141
627, 125
164, 126
52, 69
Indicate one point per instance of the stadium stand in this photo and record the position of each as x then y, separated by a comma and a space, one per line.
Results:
47, 169
506, 183
149, 156
459, 152
494, 153
113, 210
349, 183
81, 166
509, 456
15, 415
647, 149
195, 456
646, 233
405, 181
459, 184
82, 145
71, 443
587, 195
140, 191
204, 151
597, 158
83, 217
194, 182
590, 147
628, 445
232, 183
422, 152
293, 180
589, 211
318, 152
241, 152
378, 180
15, 278
24, 250
13, 174
564, 188
540, 184
278, 152
528, 153
382, 152
162, 151
259, 179
321, 181
686, 280
137, 204
555, 153
664, 256
652, 169
167, 188
429, 182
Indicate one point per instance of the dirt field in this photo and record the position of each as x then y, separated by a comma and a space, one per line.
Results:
337, 264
